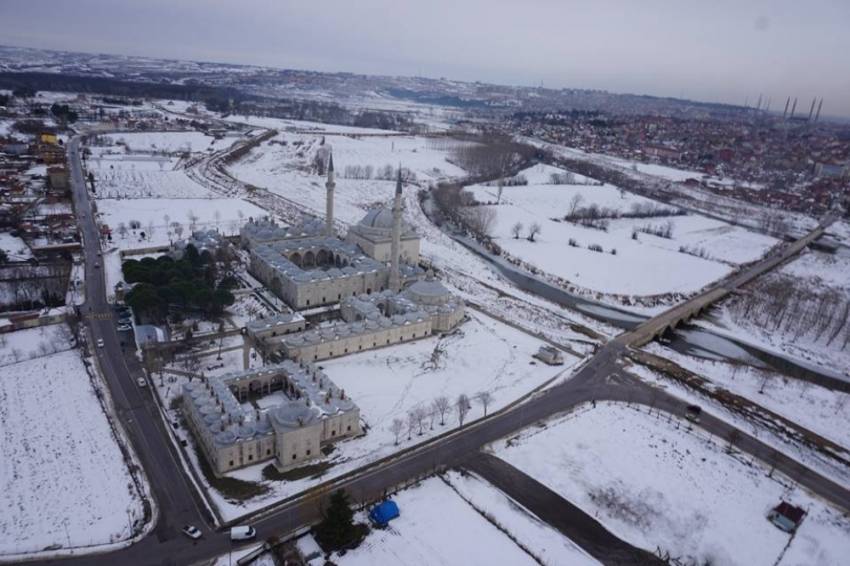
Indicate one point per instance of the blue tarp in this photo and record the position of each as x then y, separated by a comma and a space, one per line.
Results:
384, 513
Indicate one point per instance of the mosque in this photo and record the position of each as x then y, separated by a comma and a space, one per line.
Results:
373, 275
383, 298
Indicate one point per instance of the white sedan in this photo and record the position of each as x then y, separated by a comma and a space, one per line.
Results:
192, 532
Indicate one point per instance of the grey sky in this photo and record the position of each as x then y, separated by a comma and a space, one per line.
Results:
721, 50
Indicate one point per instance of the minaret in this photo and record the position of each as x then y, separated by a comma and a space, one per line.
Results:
329, 204
395, 278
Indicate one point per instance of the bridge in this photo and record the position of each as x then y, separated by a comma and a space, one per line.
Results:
697, 305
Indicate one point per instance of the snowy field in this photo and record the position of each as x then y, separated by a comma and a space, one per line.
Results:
118, 176
547, 545
485, 355
170, 142
801, 310
648, 265
226, 215
435, 528
64, 481
34, 342
285, 169
654, 484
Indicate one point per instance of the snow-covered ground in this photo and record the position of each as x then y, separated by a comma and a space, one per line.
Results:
435, 528
120, 176
801, 310
226, 215
15, 248
656, 484
169, 142
484, 355
813, 407
648, 265
34, 342
545, 543
64, 481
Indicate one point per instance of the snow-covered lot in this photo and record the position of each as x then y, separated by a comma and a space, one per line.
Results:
64, 481
225, 215
545, 543
645, 265
435, 527
655, 484
16, 249
33, 342
169, 142
143, 177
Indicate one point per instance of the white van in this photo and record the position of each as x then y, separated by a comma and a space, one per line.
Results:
242, 533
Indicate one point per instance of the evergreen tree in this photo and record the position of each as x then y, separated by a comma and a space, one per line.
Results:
337, 527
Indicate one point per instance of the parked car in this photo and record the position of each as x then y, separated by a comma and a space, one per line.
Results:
192, 532
245, 532
100, 342
96, 265
140, 381
124, 327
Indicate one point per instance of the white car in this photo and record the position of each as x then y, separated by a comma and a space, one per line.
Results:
100, 342
242, 533
140, 381
192, 532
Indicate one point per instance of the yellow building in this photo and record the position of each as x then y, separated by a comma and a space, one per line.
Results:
49, 137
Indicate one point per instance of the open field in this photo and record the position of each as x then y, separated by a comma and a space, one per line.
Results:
645, 264
656, 484
435, 527
64, 481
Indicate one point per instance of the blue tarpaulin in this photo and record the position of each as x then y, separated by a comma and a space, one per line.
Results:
384, 513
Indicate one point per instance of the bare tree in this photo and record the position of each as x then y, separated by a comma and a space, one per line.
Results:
462, 406
150, 230
516, 230
411, 422
420, 414
575, 202
122, 230
485, 398
178, 229
217, 216
480, 219
397, 427
499, 189
533, 231
441, 405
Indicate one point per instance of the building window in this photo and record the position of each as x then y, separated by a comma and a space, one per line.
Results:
308, 302
308, 451
274, 333
294, 456
346, 351
231, 462
333, 433
338, 296
348, 428
268, 451
250, 457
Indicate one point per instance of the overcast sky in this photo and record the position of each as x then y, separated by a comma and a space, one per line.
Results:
723, 50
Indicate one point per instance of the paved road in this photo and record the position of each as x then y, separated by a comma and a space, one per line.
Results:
600, 378
549, 506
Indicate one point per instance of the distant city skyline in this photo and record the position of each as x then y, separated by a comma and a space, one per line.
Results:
723, 51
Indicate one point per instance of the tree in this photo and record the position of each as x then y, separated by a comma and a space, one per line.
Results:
485, 398
462, 406
411, 422
499, 189
122, 230
337, 528
397, 427
575, 202
441, 405
516, 230
533, 231
733, 437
